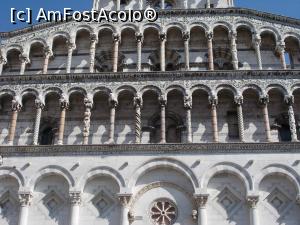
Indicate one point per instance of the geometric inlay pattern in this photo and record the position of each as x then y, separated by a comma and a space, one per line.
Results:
229, 201
7, 204
103, 202
53, 202
278, 200
163, 212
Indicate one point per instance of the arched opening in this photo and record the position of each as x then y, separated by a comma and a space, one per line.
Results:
81, 55
150, 50
104, 54
5, 112
174, 50
128, 44
296, 107
13, 64
60, 53
36, 57
270, 60
198, 49
292, 53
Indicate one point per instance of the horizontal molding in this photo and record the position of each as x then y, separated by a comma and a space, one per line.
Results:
154, 149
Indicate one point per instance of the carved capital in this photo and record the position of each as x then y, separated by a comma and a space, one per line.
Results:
264, 99
124, 199
48, 52
3, 60
209, 35
75, 198
88, 103
238, 100
16, 106
162, 101
187, 101
25, 198
139, 37
252, 201
71, 46
233, 35
39, 104
162, 36
201, 200
213, 100
24, 59
116, 37
280, 47
94, 38
64, 103
256, 39
113, 101
289, 99
186, 35
137, 102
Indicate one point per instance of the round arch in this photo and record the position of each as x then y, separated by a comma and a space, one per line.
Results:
14, 173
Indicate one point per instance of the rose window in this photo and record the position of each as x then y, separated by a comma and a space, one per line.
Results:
163, 212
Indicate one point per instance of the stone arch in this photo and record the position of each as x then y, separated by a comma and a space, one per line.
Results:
201, 87
31, 91
294, 88
37, 40
231, 168
271, 30
101, 171
254, 87
279, 87
14, 47
107, 26
245, 24
291, 34
78, 90
174, 25
101, 89
277, 168
50, 90
9, 92
224, 24
177, 87
163, 163
131, 26
201, 25
130, 89
14, 173
226, 87
84, 27
153, 26
59, 34
51, 170
150, 88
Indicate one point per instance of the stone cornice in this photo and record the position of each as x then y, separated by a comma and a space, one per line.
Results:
142, 149
176, 12
141, 76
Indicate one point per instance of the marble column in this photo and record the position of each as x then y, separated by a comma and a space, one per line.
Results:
3, 61
208, 4
113, 103
116, 41
214, 119
163, 38
256, 44
188, 108
234, 55
289, 100
163, 104
264, 100
64, 105
239, 102
209, 37
118, 2
71, 46
47, 54
138, 123
16, 108
75, 201
94, 41
87, 120
24, 61
186, 39
139, 41
201, 201
39, 107
252, 202
162, 3
25, 199
280, 48
124, 201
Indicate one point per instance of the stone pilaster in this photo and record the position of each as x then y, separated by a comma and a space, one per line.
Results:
201, 201
39, 107
75, 202
252, 202
213, 101
280, 48
87, 120
94, 41
234, 55
209, 36
289, 100
138, 124
256, 39
116, 41
188, 108
24, 61
64, 105
162, 38
264, 100
47, 54
239, 102
139, 41
186, 39
163, 105
124, 201
113, 103
16, 108
25, 199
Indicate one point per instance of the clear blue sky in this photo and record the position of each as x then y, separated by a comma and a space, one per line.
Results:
289, 8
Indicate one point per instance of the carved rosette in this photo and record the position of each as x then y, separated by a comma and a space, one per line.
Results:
163, 212
252, 201
75, 198
25, 199
201, 200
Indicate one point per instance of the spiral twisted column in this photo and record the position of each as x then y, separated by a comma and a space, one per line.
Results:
113, 103
289, 100
209, 36
163, 104
163, 38
39, 107
139, 40
235, 61
116, 40
264, 100
3, 61
186, 39
71, 47
75, 202
239, 102
24, 61
25, 200
256, 39
94, 41
252, 202
16, 108
201, 201
138, 123
47, 54
280, 48
87, 120
213, 101
188, 108
64, 105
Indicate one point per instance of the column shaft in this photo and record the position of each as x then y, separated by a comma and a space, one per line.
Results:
264, 102
210, 51
39, 107
189, 125
16, 108
163, 104
71, 47
162, 2
87, 120
256, 43
234, 54
92, 55
239, 102
162, 52
202, 218
281, 51
124, 200
208, 4
138, 123
113, 105
292, 123
186, 39
118, 5
75, 201
214, 123
25, 201
62, 120
139, 40
1, 68
24, 60
116, 38
46, 63
252, 202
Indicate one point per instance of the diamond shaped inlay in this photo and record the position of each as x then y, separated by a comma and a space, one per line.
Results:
7, 204
278, 200
103, 202
228, 200
53, 202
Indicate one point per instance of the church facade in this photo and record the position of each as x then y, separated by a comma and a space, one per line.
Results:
191, 119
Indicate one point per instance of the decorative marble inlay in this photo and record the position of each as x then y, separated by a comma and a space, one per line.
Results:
163, 212
103, 202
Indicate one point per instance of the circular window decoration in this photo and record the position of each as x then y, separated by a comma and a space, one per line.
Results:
163, 212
